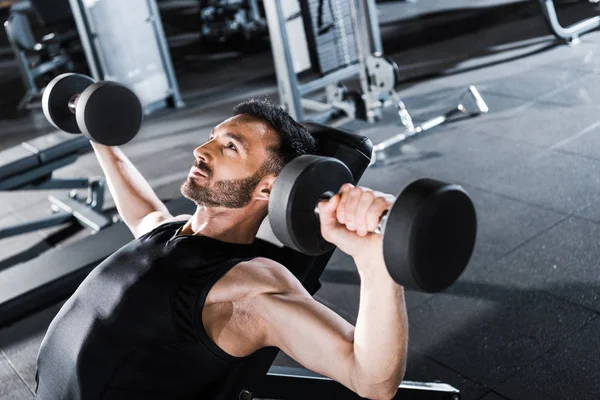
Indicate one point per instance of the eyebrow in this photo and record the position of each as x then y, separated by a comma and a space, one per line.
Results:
237, 137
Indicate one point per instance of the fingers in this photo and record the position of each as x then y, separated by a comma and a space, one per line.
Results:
329, 206
360, 209
376, 209
341, 210
352, 202
360, 217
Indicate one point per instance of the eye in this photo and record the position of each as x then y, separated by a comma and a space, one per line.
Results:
232, 146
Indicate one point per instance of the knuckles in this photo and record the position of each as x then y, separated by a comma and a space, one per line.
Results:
354, 193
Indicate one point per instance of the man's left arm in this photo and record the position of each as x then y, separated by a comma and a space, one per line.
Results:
368, 359
381, 332
349, 220
371, 362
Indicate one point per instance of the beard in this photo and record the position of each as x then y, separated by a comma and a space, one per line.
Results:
228, 193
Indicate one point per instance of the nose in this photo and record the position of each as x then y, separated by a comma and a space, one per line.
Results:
202, 154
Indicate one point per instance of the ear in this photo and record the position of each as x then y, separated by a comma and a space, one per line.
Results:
263, 189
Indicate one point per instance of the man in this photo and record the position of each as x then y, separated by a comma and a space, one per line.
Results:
171, 313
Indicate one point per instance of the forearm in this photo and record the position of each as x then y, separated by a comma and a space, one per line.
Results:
381, 332
133, 195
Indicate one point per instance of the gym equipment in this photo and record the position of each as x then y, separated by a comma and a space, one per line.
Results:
428, 234
571, 33
330, 51
299, 384
105, 112
344, 42
224, 20
48, 51
471, 104
330, 35
124, 42
53, 276
30, 167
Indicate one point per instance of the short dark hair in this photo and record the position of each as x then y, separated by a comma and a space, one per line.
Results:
295, 138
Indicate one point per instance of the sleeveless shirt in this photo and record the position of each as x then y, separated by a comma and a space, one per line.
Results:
133, 328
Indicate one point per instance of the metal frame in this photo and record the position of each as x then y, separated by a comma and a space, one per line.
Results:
570, 34
88, 211
380, 150
368, 41
97, 65
290, 89
50, 155
159, 31
287, 383
287, 80
376, 93
28, 74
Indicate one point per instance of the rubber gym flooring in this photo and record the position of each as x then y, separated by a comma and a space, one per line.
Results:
523, 321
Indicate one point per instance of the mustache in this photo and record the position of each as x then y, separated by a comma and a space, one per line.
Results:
203, 170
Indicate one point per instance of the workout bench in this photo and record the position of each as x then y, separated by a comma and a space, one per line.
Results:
30, 167
57, 273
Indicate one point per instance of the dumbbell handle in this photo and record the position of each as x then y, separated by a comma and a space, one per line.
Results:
73, 103
382, 220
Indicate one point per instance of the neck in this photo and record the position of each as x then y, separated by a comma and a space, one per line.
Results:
238, 226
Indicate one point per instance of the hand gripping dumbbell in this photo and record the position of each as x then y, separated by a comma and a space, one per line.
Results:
428, 234
105, 112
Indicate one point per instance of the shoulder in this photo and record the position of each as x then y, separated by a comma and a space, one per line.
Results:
271, 276
249, 280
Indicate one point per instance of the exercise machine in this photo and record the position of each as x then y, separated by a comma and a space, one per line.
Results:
124, 41
38, 57
339, 40
569, 34
225, 20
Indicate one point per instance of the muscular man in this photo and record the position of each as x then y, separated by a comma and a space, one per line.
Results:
171, 313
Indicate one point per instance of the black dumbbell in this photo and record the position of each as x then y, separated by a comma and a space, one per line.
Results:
105, 112
428, 234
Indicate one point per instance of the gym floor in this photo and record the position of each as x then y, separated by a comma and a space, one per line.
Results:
522, 322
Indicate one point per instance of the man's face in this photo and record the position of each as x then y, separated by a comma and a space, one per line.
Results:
227, 167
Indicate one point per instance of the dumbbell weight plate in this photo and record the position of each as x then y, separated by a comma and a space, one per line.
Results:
440, 221
109, 113
295, 194
55, 100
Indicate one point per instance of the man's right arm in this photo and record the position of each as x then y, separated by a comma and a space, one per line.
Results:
139, 207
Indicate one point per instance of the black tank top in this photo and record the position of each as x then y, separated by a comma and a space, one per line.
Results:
133, 329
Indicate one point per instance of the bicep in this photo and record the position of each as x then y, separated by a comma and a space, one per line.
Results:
312, 334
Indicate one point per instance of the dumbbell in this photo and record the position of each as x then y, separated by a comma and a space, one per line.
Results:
105, 112
428, 234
